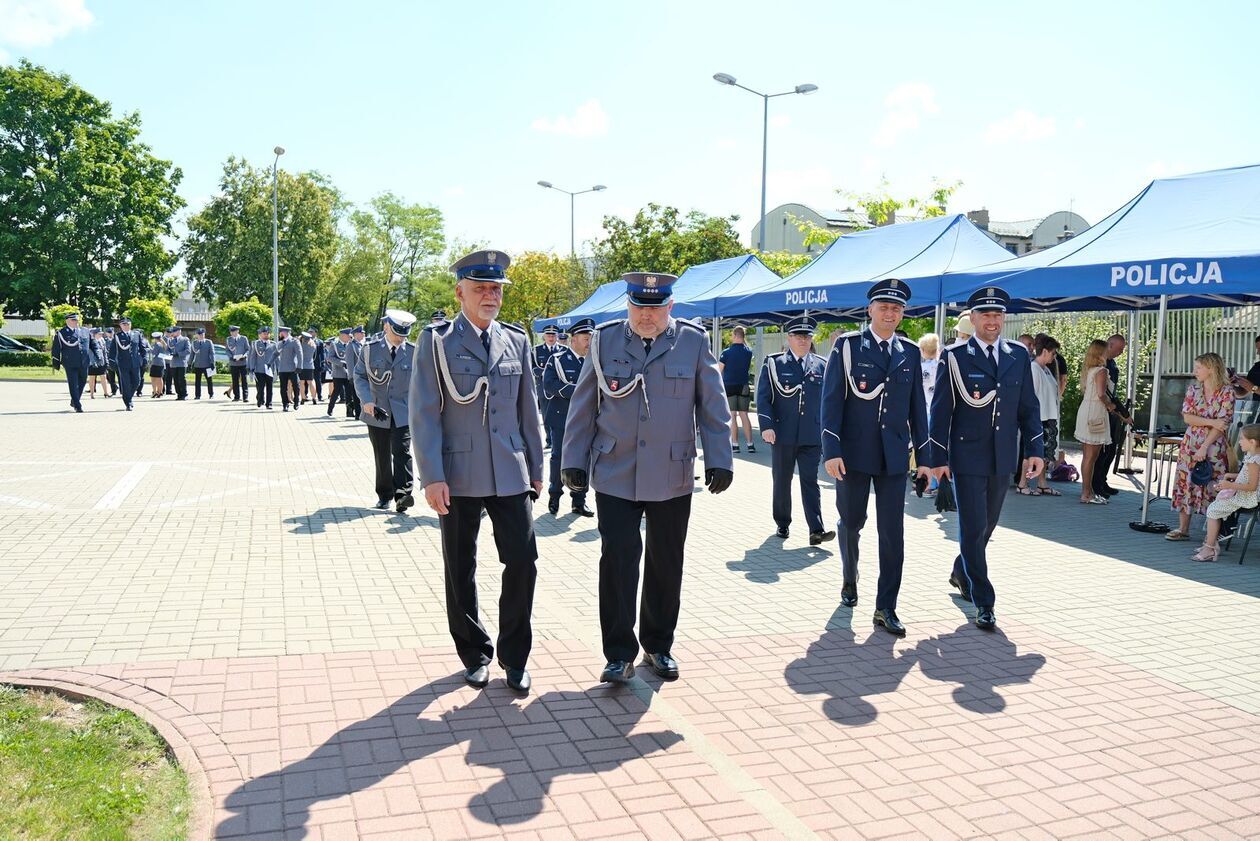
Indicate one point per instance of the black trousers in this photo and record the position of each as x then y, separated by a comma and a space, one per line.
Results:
555, 488
620, 547
852, 495
76, 379
287, 379
111, 378
208, 373
166, 379
179, 381
341, 389
979, 506
129, 383
513, 521
784, 459
262, 387
240, 382
391, 448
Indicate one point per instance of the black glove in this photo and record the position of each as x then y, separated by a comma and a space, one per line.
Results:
573, 478
920, 485
718, 479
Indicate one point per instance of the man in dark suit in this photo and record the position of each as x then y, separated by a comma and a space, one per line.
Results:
873, 408
983, 401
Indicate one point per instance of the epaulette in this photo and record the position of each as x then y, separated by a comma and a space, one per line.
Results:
603, 325
686, 322
439, 326
851, 334
515, 327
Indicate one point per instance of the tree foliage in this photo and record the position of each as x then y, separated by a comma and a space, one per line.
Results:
228, 250
784, 263
55, 315
84, 205
660, 239
247, 315
880, 206
150, 315
542, 285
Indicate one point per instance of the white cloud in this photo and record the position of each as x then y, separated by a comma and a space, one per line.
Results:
38, 23
905, 106
589, 120
1022, 126
780, 120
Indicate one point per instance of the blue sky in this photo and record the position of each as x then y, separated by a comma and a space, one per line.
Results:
467, 105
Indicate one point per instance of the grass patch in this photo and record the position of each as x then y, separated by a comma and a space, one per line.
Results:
30, 372
74, 770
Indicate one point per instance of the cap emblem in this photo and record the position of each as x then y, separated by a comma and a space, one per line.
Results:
991, 291
491, 256
650, 281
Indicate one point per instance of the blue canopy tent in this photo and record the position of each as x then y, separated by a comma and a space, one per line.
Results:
701, 289
835, 283
1189, 241
607, 301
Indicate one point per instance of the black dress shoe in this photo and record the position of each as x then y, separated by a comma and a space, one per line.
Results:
887, 617
402, 503
382, 503
1110, 490
517, 679
963, 589
848, 594
582, 511
553, 506
617, 671
985, 620
781, 532
752, 448
817, 537
477, 677
666, 667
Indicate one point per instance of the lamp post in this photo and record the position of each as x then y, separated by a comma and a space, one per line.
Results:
275, 242
728, 79
597, 188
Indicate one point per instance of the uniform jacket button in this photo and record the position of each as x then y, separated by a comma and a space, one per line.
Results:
493, 392
643, 443
494, 429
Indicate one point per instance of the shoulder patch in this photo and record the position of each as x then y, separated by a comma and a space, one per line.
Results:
513, 327
851, 334
440, 327
686, 322
616, 322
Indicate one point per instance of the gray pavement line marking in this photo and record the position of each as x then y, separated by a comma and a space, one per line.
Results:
288, 480
732, 773
23, 503
118, 494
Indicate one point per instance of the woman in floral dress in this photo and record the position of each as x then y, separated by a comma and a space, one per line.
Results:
1207, 411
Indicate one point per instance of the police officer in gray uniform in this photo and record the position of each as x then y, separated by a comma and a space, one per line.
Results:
127, 353
338, 356
479, 448
71, 349
353, 407
262, 364
238, 356
649, 383
203, 364
180, 350
558, 381
288, 358
382, 379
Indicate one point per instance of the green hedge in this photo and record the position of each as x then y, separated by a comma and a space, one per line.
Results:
24, 359
40, 343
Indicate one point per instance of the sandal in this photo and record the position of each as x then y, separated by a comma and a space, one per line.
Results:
1206, 553
1050, 492
1094, 500
1176, 534
1028, 492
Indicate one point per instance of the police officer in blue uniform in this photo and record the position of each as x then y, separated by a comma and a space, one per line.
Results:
649, 386
558, 381
789, 396
984, 400
127, 353
539, 358
71, 349
478, 443
872, 409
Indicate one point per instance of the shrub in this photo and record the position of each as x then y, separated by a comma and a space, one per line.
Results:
24, 359
56, 315
149, 315
40, 343
247, 315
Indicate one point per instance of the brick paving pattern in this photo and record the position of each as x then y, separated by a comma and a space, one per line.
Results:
214, 568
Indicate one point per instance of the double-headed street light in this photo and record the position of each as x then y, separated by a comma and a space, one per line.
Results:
275, 242
597, 188
728, 79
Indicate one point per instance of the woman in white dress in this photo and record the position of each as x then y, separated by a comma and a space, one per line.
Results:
1092, 428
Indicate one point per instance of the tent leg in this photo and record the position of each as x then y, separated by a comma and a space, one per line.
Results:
1150, 435
717, 336
940, 323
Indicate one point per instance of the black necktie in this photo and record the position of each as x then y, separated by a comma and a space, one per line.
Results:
992, 361
647, 346
883, 345
485, 340
393, 352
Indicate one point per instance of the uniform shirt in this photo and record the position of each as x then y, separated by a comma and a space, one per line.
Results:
338, 359
558, 382
384, 379
307, 361
202, 353
287, 355
72, 347
262, 357
237, 346
179, 348
795, 418
128, 350
736, 361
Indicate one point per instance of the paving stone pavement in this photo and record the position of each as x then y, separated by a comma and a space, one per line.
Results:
214, 567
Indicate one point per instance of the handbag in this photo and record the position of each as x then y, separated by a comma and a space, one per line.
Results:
1201, 472
1096, 426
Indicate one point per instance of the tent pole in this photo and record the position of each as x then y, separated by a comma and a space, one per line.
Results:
1131, 388
940, 322
1154, 411
717, 336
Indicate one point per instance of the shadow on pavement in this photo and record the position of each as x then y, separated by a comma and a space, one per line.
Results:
487, 729
347, 436
317, 522
769, 561
979, 662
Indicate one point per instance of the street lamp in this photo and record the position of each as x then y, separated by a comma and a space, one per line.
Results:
728, 79
597, 188
275, 242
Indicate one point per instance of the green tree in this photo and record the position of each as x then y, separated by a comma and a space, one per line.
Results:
542, 285
659, 239
247, 315
784, 263
880, 206
228, 248
55, 315
149, 315
84, 205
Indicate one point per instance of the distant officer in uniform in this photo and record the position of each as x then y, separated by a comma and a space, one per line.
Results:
319, 366
288, 358
558, 381
479, 448
382, 379
203, 364
789, 395
262, 364
127, 353
541, 355
71, 349
437, 317
873, 407
238, 356
111, 374
180, 350
306, 366
338, 367
984, 400
649, 384
353, 406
